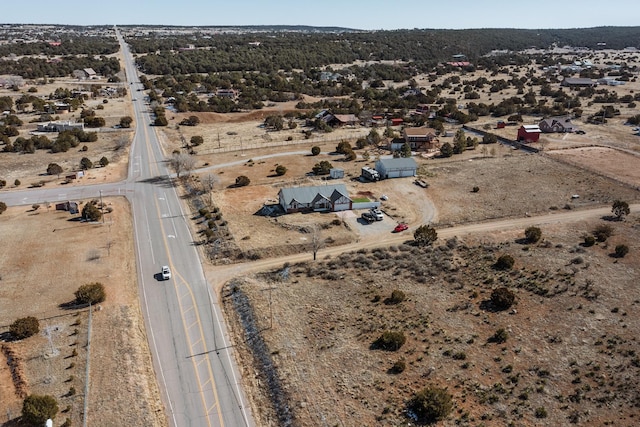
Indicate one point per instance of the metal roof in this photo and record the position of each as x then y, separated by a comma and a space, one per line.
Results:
308, 194
398, 163
419, 131
531, 128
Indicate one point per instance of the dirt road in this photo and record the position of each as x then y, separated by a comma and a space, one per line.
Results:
219, 275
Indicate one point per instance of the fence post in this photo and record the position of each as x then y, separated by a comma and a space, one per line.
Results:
86, 379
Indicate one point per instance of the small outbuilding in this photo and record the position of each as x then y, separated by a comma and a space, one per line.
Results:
577, 82
69, 206
336, 173
529, 133
396, 168
59, 126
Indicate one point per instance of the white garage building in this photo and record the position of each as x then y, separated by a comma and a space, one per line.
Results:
396, 168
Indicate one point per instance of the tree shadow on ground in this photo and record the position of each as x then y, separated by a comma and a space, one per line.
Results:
489, 306
72, 305
161, 180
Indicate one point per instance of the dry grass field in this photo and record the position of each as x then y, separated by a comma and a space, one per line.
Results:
46, 257
570, 356
31, 168
572, 335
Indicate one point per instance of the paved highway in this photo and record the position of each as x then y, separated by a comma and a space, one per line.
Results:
192, 357
198, 379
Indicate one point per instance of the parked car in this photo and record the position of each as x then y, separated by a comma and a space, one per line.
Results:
400, 227
384, 197
166, 272
377, 214
368, 216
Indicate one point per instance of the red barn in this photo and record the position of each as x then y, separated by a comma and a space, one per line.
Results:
529, 133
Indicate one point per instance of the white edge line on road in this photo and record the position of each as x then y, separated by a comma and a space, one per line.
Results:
173, 224
231, 365
153, 338
146, 215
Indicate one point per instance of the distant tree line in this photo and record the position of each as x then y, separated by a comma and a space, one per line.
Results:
34, 68
68, 46
289, 51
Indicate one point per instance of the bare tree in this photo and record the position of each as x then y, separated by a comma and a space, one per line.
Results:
209, 182
181, 162
316, 240
121, 142
15, 82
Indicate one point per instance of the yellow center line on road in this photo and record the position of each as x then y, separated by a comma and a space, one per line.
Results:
194, 323
213, 407
184, 282
177, 275
205, 356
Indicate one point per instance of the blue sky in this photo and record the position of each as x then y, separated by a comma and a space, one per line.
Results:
361, 14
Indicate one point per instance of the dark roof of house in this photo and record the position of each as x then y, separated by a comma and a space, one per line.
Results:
565, 121
309, 194
578, 81
346, 118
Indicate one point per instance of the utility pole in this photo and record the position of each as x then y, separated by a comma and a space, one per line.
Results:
270, 288
101, 207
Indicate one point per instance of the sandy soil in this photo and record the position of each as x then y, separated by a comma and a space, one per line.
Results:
620, 165
516, 184
31, 168
570, 345
303, 347
123, 385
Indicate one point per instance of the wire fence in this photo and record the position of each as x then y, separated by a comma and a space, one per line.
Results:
252, 145
85, 407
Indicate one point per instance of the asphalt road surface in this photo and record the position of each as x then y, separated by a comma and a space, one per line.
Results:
199, 382
192, 358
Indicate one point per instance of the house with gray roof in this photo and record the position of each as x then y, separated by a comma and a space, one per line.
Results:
577, 82
561, 124
396, 168
320, 198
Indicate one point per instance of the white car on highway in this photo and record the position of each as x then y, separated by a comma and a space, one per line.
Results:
166, 272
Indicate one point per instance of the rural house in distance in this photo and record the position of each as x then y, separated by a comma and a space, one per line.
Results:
331, 198
421, 138
561, 124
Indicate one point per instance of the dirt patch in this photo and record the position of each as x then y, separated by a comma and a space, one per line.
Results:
570, 347
514, 184
31, 168
612, 163
54, 361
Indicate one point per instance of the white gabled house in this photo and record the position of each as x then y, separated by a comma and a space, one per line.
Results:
332, 198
